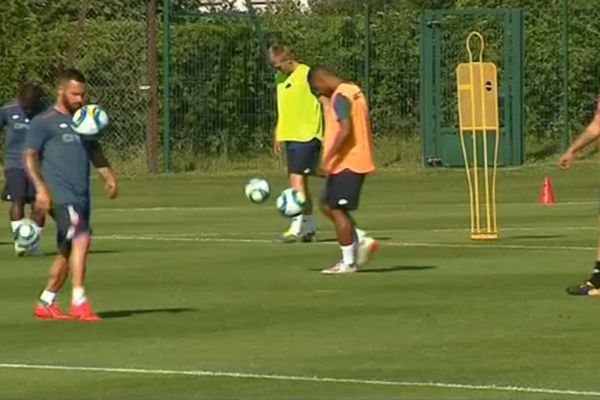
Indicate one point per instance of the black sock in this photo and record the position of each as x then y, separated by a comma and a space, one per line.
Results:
595, 278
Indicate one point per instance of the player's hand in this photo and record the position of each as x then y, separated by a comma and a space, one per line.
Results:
42, 201
277, 148
322, 172
112, 188
566, 160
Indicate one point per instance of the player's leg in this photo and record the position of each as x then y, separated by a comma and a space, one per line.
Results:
39, 219
591, 287
302, 160
80, 238
18, 185
344, 228
335, 204
47, 307
341, 195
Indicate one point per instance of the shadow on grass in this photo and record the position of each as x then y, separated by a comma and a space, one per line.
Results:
536, 237
395, 268
54, 253
333, 240
131, 313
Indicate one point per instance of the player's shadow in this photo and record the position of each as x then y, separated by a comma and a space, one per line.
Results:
536, 237
396, 268
54, 253
132, 313
105, 251
332, 240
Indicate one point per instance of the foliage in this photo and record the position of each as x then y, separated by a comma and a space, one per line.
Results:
222, 88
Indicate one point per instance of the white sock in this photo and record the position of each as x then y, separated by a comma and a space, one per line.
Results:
310, 224
349, 254
15, 224
296, 226
78, 297
360, 234
48, 297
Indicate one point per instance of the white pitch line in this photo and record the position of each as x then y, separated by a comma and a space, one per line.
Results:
481, 246
488, 246
374, 206
436, 230
296, 378
161, 238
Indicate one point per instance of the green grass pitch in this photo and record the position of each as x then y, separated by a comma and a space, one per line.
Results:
199, 302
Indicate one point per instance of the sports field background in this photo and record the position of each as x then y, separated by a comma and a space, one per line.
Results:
188, 277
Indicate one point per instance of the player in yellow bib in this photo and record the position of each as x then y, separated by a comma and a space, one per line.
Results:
300, 130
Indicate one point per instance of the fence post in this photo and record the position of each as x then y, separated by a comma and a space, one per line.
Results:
367, 72
167, 85
152, 134
257, 27
565, 67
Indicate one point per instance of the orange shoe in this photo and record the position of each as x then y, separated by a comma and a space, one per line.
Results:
49, 312
83, 312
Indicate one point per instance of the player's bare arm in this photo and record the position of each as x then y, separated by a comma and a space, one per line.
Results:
276, 143
340, 137
32, 166
105, 171
589, 135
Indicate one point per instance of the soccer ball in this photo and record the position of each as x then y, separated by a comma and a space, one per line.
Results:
257, 190
26, 234
291, 202
90, 120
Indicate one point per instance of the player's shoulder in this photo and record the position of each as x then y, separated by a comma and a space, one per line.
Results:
46, 115
44, 118
12, 106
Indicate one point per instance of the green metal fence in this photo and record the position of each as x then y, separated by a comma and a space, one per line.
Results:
217, 90
112, 55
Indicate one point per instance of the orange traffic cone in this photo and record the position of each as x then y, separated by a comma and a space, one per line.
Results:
547, 197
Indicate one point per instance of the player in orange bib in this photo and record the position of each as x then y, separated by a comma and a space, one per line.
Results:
347, 159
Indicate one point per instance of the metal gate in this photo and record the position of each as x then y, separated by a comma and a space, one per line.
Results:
443, 35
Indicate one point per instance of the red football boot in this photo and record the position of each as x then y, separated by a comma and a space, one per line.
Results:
49, 312
83, 312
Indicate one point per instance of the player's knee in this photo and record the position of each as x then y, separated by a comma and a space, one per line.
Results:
298, 182
18, 204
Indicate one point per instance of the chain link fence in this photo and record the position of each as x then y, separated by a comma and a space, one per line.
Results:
221, 89
112, 55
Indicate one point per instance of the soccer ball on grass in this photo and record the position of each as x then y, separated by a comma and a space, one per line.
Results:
257, 190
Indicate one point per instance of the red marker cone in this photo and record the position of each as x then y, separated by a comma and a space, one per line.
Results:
547, 197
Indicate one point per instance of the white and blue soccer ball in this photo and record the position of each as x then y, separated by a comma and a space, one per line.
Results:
291, 202
257, 190
90, 120
26, 234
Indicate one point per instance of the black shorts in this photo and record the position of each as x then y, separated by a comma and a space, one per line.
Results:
303, 157
342, 190
72, 220
18, 186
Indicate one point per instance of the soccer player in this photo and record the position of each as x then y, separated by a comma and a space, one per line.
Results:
591, 287
347, 159
19, 190
58, 160
299, 129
